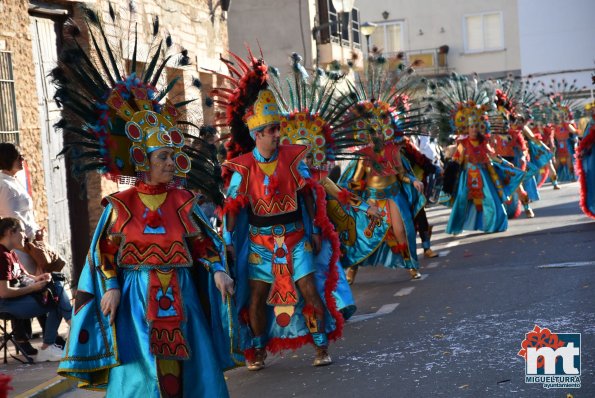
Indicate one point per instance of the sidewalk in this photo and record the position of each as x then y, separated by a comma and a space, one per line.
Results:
36, 379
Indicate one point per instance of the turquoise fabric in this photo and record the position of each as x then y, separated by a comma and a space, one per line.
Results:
464, 215
565, 174
123, 349
371, 249
302, 259
203, 376
342, 294
241, 271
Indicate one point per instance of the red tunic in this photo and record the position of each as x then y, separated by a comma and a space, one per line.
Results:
147, 246
279, 196
474, 151
384, 164
156, 239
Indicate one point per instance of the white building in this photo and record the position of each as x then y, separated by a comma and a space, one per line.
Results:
482, 35
557, 40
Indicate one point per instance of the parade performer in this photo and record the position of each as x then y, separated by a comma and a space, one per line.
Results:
379, 176
308, 119
484, 181
272, 226
523, 98
509, 142
560, 96
543, 131
585, 163
152, 313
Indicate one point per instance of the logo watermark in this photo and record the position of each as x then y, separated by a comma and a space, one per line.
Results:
552, 359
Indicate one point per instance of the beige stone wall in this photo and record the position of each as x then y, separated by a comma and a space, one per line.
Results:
15, 37
192, 25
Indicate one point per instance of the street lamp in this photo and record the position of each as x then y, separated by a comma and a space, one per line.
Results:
367, 29
343, 6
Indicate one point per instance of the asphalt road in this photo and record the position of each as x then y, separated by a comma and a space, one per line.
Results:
456, 332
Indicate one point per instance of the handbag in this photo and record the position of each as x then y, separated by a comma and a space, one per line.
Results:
44, 256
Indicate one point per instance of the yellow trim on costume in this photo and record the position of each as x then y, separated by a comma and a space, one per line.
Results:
254, 258
269, 167
153, 202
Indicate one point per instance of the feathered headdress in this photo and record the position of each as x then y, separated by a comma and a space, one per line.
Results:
563, 98
383, 100
312, 115
458, 103
246, 80
115, 112
541, 112
514, 99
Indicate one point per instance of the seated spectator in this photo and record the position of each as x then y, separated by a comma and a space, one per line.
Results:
25, 296
16, 202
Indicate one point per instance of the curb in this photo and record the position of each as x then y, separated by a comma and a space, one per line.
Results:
50, 389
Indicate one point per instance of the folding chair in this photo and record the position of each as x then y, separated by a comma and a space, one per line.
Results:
9, 336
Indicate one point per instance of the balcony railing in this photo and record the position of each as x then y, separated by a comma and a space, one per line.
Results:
429, 61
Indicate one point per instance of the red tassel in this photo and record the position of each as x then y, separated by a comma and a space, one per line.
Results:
273, 184
328, 232
5, 386
344, 197
278, 344
245, 316
199, 249
106, 246
250, 354
233, 206
154, 219
309, 311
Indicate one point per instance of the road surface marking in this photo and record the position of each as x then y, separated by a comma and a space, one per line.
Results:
568, 265
404, 291
444, 253
384, 310
453, 243
432, 265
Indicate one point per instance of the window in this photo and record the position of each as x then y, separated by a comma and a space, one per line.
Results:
483, 32
388, 37
355, 35
9, 128
329, 25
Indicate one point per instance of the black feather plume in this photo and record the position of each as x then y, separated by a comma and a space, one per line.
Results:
91, 15
72, 29
196, 82
112, 14
156, 25
184, 58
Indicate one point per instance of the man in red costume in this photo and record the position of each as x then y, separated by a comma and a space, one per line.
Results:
273, 231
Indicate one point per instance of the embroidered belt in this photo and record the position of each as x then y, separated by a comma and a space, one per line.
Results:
277, 230
281, 219
388, 192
